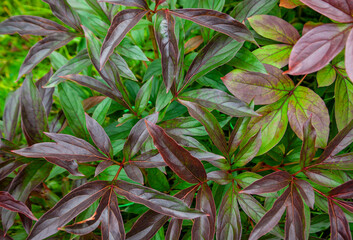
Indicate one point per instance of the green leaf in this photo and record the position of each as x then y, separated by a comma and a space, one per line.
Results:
73, 109
275, 54
101, 110
129, 50
308, 150
305, 103
249, 151
273, 123
326, 76
143, 96
343, 102
246, 60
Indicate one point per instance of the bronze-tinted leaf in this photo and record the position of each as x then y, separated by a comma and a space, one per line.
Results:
262, 88
339, 225
343, 98
99, 136
129, 3
31, 25
308, 150
204, 227
210, 123
67, 148
274, 28
11, 114
178, 159
138, 136
338, 10
43, 49
228, 221
67, 208
305, 103
217, 21
248, 8
157, 201
271, 218
7, 201
33, 115
220, 177
219, 100
62, 10
340, 162
122, 23
269, 183
315, 50
249, 150
168, 46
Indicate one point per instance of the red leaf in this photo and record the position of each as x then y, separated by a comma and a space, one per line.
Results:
178, 159
122, 23
8, 202
217, 21
270, 183
317, 48
338, 10
204, 227
339, 225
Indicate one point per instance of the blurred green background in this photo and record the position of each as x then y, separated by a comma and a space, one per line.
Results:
14, 48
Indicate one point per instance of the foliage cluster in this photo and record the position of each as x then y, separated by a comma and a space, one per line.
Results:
166, 119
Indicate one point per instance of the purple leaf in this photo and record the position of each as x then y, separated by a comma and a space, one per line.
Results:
315, 50
67, 208
157, 201
338, 10
210, 123
178, 159
31, 25
66, 148
8, 202
62, 10
217, 21
134, 173
43, 49
308, 150
71, 165
11, 114
204, 226
168, 46
129, 3
343, 191
349, 55
99, 136
339, 224
269, 183
138, 135
122, 23
306, 191
46, 93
